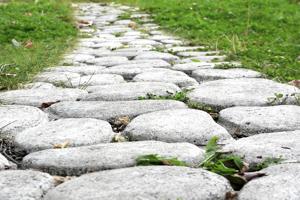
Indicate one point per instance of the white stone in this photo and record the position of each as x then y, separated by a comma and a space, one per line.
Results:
156, 55
226, 93
80, 160
176, 125
111, 61
110, 110
15, 119
83, 70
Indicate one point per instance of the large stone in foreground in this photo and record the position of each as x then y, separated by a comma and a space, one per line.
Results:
36, 97
24, 184
226, 93
282, 182
178, 125
109, 110
151, 183
80, 160
15, 118
129, 91
246, 121
202, 75
167, 76
73, 132
256, 149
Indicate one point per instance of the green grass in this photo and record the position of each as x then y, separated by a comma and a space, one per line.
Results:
264, 35
47, 23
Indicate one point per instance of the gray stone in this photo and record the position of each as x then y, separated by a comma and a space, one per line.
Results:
182, 49
83, 70
24, 184
80, 160
96, 79
129, 91
79, 58
156, 55
5, 164
144, 42
257, 148
168, 76
109, 110
39, 85
36, 97
188, 68
15, 118
128, 72
202, 75
172, 42
72, 132
151, 183
176, 125
111, 61
281, 183
246, 121
203, 59
226, 93
153, 62
56, 78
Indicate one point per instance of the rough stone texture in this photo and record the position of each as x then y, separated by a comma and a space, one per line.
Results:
97, 79
129, 91
36, 97
74, 132
24, 184
111, 61
184, 48
226, 93
80, 160
15, 118
255, 149
202, 75
203, 59
168, 76
108, 110
5, 164
246, 121
39, 85
156, 55
178, 125
56, 78
153, 62
84, 70
151, 183
281, 183
188, 68
196, 53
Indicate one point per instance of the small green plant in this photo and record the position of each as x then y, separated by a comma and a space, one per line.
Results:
277, 99
266, 163
178, 96
226, 66
154, 159
124, 16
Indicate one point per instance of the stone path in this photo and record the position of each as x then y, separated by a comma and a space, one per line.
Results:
76, 118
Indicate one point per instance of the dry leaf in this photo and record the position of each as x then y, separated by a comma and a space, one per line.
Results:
47, 104
295, 83
61, 179
28, 14
132, 25
62, 145
119, 138
28, 44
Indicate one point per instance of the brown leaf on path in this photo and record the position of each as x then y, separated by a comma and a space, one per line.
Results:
132, 25
47, 104
61, 179
62, 145
28, 44
295, 83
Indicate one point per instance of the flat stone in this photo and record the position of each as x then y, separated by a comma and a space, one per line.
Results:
96, 79
188, 68
176, 125
172, 42
151, 182
111, 61
129, 91
73, 132
24, 184
153, 62
110, 110
5, 164
202, 75
246, 121
182, 48
257, 148
167, 76
204, 59
56, 78
15, 118
156, 55
144, 42
226, 93
36, 97
79, 58
38, 85
80, 160
83, 70
282, 182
